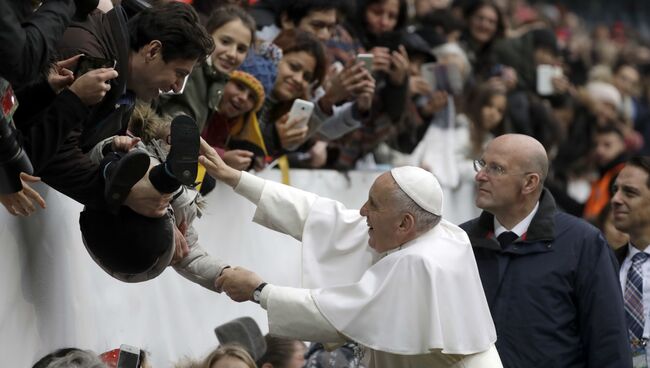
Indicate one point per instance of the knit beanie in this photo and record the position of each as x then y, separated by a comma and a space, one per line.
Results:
263, 64
253, 84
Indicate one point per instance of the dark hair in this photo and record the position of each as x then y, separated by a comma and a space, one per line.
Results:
226, 14
298, 9
176, 25
362, 5
206, 7
278, 351
608, 129
476, 6
643, 163
442, 18
544, 38
291, 41
478, 98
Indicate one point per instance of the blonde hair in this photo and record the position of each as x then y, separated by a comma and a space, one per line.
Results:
228, 350
147, 125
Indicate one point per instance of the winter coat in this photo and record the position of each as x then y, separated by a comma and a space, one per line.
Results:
557, 302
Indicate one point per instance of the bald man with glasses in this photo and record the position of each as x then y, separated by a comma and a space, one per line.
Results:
550, 278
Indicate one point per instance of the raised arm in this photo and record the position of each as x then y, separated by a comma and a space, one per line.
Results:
279, 207
292, 312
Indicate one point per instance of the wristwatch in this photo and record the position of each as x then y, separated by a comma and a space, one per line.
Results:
257, 293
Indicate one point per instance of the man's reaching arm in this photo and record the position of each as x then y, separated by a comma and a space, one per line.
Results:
292, 312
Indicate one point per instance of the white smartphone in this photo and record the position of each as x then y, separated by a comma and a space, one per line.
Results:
545, 75
129, 357
301, 111
367, 60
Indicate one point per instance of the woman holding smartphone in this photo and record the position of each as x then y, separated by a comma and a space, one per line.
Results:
376, 29
300, 70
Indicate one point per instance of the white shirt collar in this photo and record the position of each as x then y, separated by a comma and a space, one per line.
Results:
632, 250
519, 229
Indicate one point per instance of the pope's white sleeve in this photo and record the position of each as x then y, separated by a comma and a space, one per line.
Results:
293, 314
250, 187
279, 207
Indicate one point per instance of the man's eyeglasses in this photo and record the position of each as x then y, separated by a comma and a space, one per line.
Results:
493, 169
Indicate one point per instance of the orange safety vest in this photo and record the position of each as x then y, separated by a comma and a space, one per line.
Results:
600, 193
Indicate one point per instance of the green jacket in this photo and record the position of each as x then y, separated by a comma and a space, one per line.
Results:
201, 96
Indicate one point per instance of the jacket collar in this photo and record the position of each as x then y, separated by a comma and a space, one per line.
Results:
541, 228
621, 253
212, 74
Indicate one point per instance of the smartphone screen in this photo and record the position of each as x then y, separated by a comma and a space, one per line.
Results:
129, 357
367, 60
88, 63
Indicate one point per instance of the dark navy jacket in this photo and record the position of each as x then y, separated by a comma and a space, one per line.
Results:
557, 303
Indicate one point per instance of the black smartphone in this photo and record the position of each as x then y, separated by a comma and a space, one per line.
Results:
390, 40
87, 63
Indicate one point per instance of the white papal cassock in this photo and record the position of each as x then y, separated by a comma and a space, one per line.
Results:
419, 306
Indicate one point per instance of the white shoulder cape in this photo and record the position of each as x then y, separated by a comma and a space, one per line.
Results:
428, 295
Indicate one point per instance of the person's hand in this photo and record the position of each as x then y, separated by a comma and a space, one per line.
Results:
561, 84
124, 143
60, 75
21, 203
366, 95
180, 243
292, 134
419, 86
399, 66
92, 87
216, 167
146, 200
509, 77
238, 283
348, 83
238, 159
381, 59
436, 103
318, 153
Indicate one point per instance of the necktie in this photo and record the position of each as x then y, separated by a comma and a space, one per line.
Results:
506, 238
634, 297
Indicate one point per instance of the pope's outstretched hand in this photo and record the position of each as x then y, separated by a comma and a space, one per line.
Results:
215, 166
238, 283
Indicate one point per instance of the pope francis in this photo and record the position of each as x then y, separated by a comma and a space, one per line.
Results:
393, 277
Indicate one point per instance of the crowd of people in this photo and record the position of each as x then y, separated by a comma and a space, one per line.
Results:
516, 136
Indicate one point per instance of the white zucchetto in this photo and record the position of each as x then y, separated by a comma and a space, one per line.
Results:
421, 186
